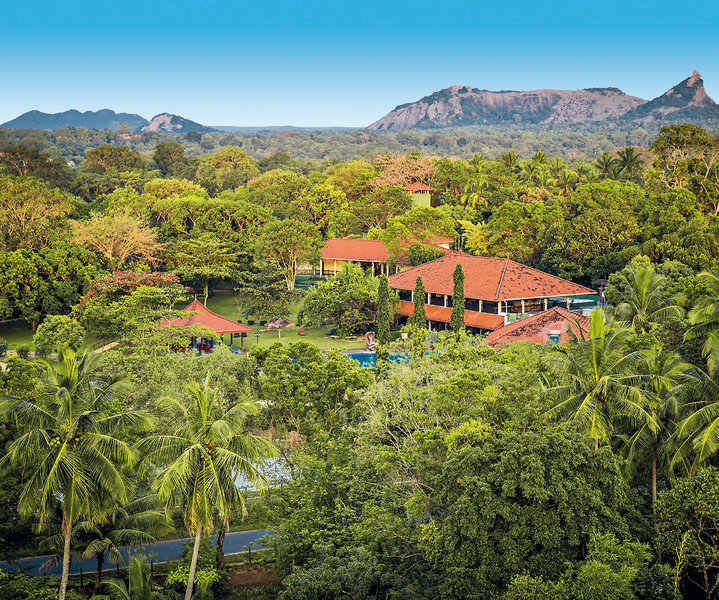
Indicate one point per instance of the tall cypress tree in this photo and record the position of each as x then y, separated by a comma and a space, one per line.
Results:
457, 320
383, 311
420, 297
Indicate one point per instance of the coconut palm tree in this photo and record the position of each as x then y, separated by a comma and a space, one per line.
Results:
473, 194
540, 157
200, 459
663, 378
137, 522
597, 381
139, 583
604, 164
704, 315
566, 182
557, 166
629, 161
643, 299
66, 444
697, 436
510, 160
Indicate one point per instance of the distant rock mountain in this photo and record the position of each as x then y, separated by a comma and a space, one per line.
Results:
101, 119
685, 101
462, 105
173, 124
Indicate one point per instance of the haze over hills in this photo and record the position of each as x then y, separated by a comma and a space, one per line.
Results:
100, 119
104, 119
462, 105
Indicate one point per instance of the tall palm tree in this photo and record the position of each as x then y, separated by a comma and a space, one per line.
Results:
540, 157
629, 161
604, 164
663, 378
697, 436
597, 380
66, 444
704, 315
202, 456
567, 181
557, 166
510, 160
643, 299
139, 583
473, 194
137, 522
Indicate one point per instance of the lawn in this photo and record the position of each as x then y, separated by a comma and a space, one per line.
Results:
18, 332
224, 303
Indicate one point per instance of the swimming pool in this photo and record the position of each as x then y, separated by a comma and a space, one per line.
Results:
369, 359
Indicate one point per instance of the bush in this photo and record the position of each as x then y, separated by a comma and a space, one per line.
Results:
23, 351
58, 331
17, 586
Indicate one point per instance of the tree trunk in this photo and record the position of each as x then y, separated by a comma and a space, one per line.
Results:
207, 289
654, 497
596, 443
98, 572
193, 564
220, 545
67, 531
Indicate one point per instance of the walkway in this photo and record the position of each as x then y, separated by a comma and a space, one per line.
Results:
159, 552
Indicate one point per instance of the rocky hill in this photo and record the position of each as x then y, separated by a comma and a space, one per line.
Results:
462, 105
173, 124
101, 119
686, 101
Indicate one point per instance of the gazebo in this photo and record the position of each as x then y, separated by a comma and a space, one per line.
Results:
201, 315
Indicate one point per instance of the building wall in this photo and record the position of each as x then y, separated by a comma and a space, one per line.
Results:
421, 199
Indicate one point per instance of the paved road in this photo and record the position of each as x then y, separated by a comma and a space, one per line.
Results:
159, 552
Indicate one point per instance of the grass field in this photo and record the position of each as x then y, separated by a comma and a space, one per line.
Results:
18, 332
224, 303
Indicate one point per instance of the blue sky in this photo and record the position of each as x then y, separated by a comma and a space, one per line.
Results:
315, 62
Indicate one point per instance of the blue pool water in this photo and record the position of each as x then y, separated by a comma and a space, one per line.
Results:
369, 359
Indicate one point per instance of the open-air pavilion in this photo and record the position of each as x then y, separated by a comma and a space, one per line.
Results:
202, 316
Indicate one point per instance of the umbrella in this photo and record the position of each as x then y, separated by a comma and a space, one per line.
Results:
279, 322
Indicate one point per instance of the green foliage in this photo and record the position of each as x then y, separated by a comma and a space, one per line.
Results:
419, 317
348, 300
57, 331
457, 318
419, 253
16, 586
497, 520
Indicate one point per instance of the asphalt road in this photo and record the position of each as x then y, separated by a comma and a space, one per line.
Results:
159, 552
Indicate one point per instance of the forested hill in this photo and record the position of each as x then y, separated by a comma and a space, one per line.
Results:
463, 105
101, 119
104, 119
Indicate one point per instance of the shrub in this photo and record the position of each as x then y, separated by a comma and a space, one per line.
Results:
57, 331
23, 350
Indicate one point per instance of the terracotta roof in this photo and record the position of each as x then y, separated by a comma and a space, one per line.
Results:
487, 278
370, 250
418, 187
353, 249
536, 328
444, 315
205, 317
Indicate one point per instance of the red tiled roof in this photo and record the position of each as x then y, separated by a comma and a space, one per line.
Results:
354, 249
418, 187
536, 328
444, 315
205, 317
487, 278
369, 250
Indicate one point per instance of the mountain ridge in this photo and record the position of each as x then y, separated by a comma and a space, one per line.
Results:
462, 105
104, 119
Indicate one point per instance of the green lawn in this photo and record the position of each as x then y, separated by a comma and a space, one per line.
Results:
16, 333
224, 303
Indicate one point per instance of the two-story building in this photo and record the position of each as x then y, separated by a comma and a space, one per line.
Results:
497, 291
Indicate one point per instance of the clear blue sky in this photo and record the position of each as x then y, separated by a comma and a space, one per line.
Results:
319, 62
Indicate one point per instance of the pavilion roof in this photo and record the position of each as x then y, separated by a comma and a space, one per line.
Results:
371, 250
487, 278
418, 186
536, 328
205, 317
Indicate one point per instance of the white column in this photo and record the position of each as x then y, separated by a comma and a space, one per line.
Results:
522, 305
480, 306
546, 303
445, 300
335, 267
567, 302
